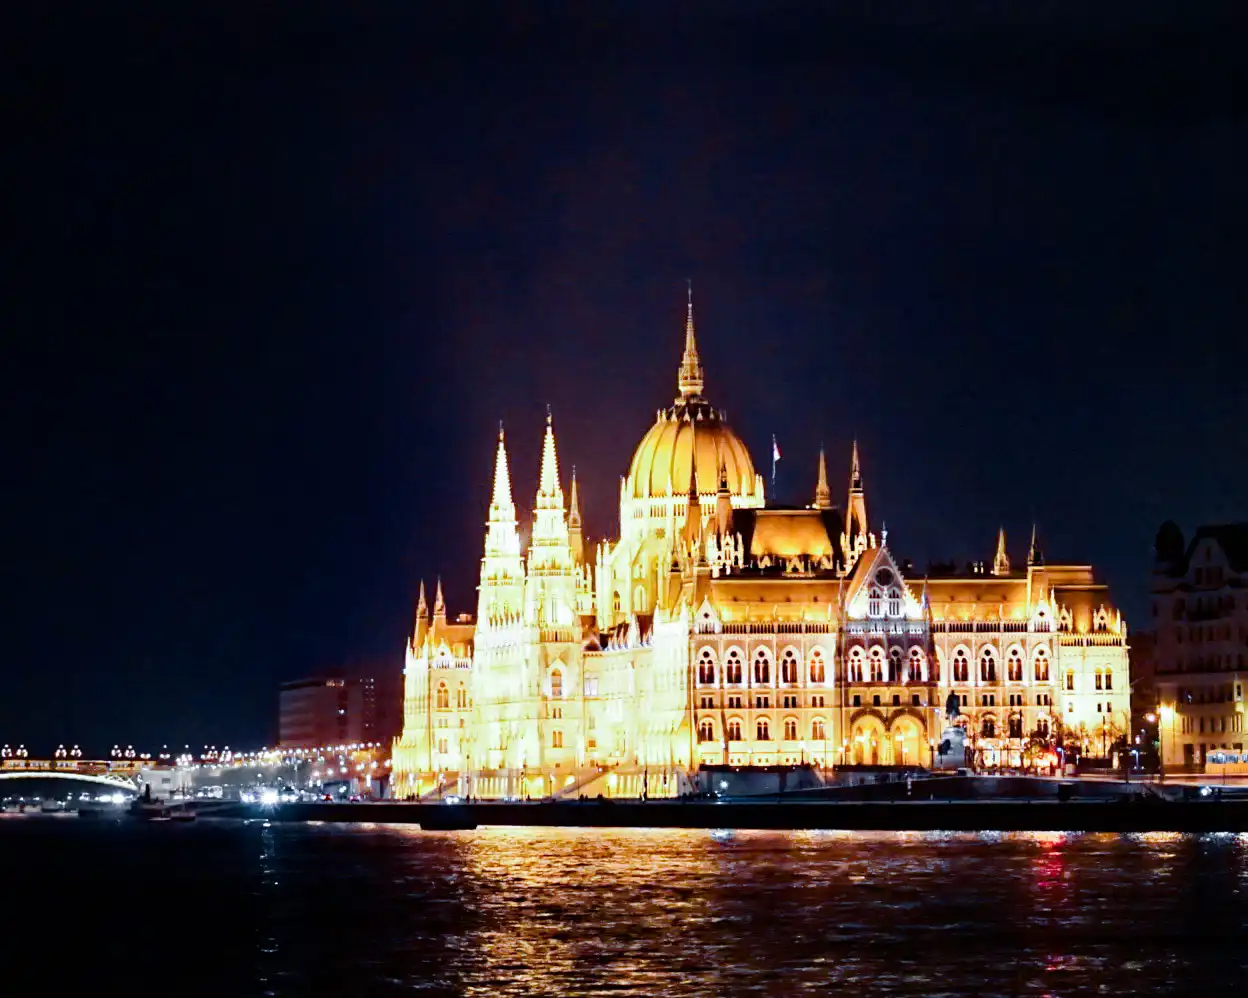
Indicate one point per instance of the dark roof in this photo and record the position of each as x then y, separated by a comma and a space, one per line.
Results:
1232, 538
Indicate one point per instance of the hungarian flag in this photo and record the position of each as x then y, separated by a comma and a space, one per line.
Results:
775, 449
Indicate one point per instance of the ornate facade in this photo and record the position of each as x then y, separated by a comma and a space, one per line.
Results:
719, 630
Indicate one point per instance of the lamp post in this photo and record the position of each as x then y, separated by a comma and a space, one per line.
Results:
1165, 714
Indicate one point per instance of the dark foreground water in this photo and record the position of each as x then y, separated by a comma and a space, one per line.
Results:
233, 908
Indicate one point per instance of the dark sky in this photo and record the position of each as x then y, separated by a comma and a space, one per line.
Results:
273, 280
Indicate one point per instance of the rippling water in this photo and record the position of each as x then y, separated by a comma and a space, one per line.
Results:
236, 908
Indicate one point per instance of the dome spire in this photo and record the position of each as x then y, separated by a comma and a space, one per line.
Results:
690, 377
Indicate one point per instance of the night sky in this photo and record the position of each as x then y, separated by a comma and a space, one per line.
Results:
274, 280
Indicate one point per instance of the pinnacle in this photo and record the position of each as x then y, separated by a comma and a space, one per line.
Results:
823, 495
502, 478
548, 481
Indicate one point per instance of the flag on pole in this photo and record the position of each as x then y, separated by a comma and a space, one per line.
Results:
775, 450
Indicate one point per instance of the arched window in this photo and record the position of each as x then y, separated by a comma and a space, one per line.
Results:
763, 729
556, 684
706, 668
877, 665
916, 666
894, 665
989, 728
789, 666
855, 666
1100, 679
961, 667
444, 697
817, 672
1014, 726
762, 666
818, 730
1014, 666
734, 730
706, 730
874, 602
732, 668
1040, 666
461, 697
790, 729
639, 599
987, 667
556, 739
1042, 727
1109, 678
894, 603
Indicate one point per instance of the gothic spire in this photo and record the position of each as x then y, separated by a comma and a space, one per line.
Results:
502, 478
1001, 562
549, 492
574, 504
690, 377
823, 495
575, 540
502, 575
855, 471
1034, 557
422, 608
439, 604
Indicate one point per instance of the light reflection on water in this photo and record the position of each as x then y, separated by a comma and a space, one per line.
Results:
335, 909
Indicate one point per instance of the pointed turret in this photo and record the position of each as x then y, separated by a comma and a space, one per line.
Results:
502, 574
723, 503
575, 538
857, 537
823, 494
693, 511
689, 379
439, 604
1001, 561
1033, 552
421, 625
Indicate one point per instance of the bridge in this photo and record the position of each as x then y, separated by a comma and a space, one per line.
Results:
119, 774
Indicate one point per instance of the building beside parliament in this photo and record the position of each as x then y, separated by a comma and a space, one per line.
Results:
719, 630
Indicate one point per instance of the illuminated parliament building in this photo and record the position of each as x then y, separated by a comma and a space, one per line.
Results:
718, 630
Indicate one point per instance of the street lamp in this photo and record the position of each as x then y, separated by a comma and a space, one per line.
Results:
1165, 713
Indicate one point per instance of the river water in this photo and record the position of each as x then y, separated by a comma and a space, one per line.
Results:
242, 908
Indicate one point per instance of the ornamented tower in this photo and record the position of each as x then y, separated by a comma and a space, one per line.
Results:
499, 679
552, 572
553, 668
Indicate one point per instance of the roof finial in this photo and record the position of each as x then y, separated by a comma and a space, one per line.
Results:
439, 604
689, 379
1033, 552
1001, 561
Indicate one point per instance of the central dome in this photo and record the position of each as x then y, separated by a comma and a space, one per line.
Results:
666, 455
689, 436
